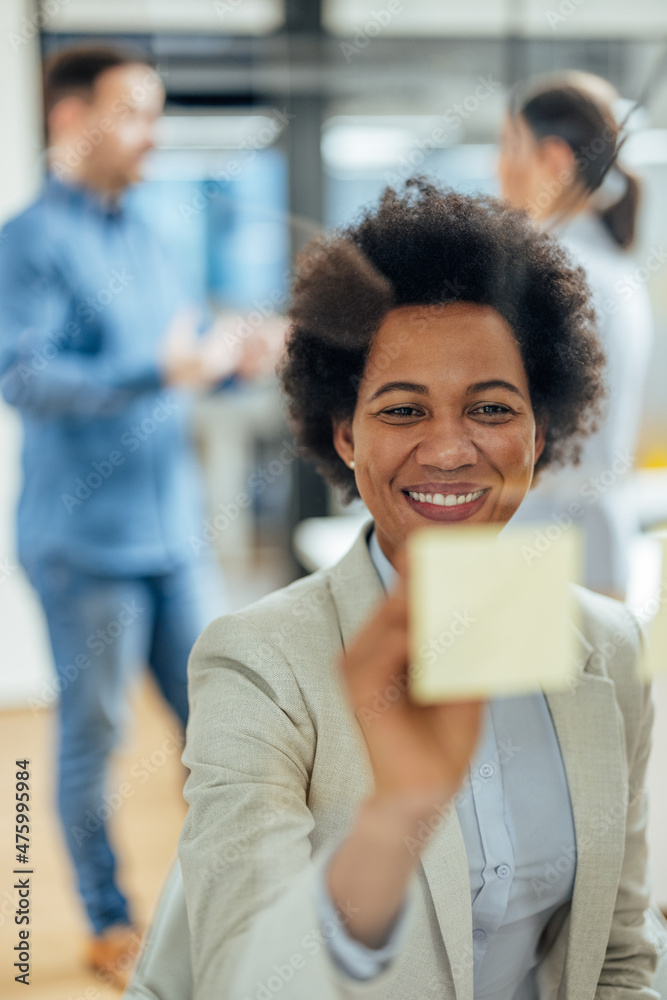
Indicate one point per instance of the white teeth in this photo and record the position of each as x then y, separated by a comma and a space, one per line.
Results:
446, 499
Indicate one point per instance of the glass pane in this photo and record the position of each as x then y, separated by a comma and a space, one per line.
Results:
217, 187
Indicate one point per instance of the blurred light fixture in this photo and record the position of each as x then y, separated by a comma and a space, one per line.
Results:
425, 18
361, 21
225, 17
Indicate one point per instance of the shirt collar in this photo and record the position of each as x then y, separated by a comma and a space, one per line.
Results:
385, 570
87, 198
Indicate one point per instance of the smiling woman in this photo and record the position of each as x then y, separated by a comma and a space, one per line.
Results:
434, 358
420, 377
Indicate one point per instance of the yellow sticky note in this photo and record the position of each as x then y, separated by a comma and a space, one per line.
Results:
653, 616
490, 613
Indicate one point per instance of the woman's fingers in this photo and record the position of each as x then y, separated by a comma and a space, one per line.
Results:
401, 563
456, 728
380, 650
412, 747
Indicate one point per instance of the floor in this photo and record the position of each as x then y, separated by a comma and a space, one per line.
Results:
144, 826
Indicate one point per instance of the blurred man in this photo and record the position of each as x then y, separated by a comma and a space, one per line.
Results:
96, 342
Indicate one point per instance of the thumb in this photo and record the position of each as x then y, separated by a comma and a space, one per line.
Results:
400, 564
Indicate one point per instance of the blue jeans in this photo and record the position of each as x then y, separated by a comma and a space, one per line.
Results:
102, 629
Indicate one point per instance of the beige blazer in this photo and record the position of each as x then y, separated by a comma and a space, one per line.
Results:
279, 769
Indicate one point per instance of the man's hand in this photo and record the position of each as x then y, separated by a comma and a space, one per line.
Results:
262, 349
198, 362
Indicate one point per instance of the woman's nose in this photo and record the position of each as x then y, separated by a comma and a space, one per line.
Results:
446, 444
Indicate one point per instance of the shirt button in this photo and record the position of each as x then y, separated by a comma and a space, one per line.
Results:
503, 871
486, 770
479, 934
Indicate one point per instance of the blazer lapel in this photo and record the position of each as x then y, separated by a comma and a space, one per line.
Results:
355, 589
590, 732
355, 586
445, 865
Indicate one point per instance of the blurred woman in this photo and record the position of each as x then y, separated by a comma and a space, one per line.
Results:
559, 161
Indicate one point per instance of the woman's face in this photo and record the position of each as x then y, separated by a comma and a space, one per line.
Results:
518, 163
443, 430
538, 176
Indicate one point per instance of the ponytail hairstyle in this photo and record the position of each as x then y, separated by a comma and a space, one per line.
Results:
579, 109
620, 217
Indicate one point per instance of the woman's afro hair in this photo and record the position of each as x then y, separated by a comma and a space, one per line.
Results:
427, 245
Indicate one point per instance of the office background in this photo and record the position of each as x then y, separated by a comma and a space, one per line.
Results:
284, 116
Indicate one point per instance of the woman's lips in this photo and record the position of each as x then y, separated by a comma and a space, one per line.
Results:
436, 512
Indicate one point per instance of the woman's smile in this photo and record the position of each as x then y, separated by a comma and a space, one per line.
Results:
455, 502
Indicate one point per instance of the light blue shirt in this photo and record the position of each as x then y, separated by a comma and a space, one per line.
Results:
87, 293
518, 829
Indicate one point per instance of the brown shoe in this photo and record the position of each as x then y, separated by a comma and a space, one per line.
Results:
112, 954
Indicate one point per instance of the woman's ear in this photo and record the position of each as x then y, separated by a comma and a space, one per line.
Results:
557, 159
343, 439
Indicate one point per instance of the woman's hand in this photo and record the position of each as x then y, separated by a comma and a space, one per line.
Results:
419, 755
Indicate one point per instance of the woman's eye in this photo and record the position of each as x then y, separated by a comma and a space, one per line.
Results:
493, 410
401, 411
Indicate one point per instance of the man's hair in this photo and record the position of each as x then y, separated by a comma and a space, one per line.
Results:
75, 70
